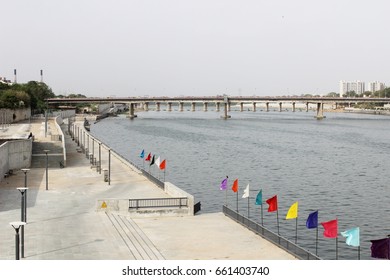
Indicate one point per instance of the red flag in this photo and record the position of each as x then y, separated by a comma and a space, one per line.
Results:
162, 165
273, 203
235, 186
148, 157
330, 228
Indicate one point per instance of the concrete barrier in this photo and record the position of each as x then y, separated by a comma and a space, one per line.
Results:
58, 122
14, 155
174, 191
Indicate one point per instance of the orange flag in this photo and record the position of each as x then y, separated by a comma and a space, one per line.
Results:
162, 165
235, 186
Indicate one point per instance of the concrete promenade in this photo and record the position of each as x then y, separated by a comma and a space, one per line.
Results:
63, 224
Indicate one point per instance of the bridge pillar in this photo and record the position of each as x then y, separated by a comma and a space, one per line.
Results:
241, 106
320, 111
307, 106
228, 106
157, 106
169, 106
131, 111
146, 106
267, 106
280, 106
293, 106
181, 106
192, 106
217, 106
205, 106
254, 106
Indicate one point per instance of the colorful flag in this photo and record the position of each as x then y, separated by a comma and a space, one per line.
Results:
273, 203
380, 248
312, 220
246, 192
162, 165
223, 184
235, 186
157, 162
259, 198
148, 157
152, 161
353, 236
330, 228
293, 211
142, 155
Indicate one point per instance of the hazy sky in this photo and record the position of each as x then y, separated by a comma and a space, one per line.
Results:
195, 47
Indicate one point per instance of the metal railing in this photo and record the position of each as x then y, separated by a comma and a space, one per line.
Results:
274, 238
174, 202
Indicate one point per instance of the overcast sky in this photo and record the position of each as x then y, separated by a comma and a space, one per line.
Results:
195, 47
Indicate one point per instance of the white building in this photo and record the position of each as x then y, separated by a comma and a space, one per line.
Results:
375, 86
357, 86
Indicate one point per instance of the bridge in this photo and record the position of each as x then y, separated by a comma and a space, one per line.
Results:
219, 101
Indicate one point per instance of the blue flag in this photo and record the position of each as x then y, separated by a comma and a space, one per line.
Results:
142, 155
259, 198
312, 220
352, 236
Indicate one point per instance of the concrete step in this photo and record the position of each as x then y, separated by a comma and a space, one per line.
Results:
139, 245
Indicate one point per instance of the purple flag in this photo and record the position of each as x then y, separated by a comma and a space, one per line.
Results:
380, 248
223, 184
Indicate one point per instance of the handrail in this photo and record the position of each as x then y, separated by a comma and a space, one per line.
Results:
158, 202
274, 238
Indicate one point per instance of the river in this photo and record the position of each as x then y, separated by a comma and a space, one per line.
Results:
338, 166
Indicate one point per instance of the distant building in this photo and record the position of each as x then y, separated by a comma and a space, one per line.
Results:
376, 86
357, 86
4, 80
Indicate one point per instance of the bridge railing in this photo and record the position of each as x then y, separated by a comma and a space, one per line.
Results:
276, 239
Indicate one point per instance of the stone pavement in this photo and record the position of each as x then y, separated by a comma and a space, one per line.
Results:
63, 223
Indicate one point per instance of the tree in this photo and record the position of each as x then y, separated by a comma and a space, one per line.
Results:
14, 99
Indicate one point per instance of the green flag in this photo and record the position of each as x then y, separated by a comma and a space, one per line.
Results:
259, 198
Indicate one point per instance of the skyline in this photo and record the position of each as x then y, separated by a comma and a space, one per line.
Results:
194, 48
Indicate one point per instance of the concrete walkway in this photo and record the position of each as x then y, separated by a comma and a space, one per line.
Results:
63, 223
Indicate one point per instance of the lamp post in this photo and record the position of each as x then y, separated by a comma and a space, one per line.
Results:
23, 192
25, 170
47, 167
16, 226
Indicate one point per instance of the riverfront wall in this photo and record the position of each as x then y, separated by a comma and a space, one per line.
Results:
15, 155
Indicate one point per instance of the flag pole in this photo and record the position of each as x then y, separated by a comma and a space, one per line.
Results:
277, 219
358, 252
262, 222
164, 175
248, 207
226, 197
317, 240
237, 201
296, 230
336, 249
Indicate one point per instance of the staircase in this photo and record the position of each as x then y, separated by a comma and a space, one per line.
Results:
139, 245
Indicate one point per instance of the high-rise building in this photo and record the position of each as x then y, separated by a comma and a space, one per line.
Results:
375, 86
357, 86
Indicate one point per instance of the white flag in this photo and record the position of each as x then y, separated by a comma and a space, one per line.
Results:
246, 192
157, 162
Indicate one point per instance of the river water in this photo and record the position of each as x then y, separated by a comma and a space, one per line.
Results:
338, 166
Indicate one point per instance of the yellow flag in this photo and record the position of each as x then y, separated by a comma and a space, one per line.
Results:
104, 205
293, 211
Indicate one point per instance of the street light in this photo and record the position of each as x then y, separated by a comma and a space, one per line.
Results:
23, 192
25, 170
16, 226
47, 166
